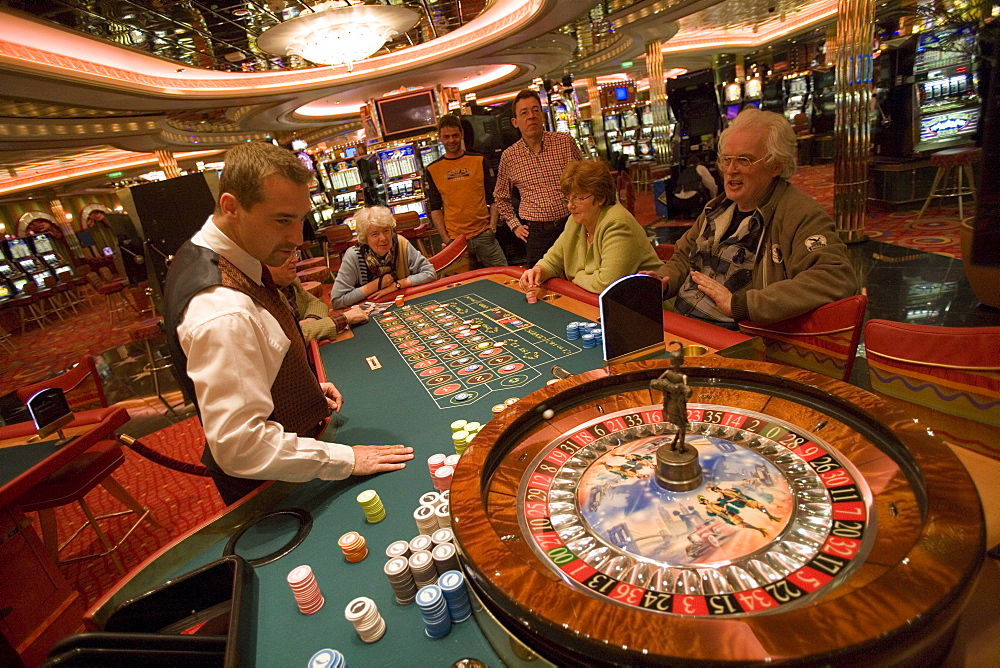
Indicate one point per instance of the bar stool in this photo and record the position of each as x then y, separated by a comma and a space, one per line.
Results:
146, 331
959, 160
117, 301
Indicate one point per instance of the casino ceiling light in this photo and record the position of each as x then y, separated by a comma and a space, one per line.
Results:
335, 34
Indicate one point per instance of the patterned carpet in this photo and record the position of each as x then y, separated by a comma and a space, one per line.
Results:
936, 232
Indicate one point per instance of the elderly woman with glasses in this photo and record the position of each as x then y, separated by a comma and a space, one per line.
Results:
380, 263
602, 241
762, 251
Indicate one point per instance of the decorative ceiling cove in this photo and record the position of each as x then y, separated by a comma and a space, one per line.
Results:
136, 75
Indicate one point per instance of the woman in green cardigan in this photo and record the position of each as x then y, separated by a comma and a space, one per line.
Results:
602, 241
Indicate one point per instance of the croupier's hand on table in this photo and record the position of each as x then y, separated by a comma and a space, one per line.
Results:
369, 459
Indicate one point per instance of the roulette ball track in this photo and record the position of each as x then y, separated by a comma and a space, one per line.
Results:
829, 527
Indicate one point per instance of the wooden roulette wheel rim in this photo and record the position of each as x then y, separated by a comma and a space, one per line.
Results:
898, 603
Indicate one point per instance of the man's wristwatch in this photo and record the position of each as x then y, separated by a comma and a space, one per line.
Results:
398, 287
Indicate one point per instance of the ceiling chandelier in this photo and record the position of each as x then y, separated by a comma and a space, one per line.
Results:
338, 35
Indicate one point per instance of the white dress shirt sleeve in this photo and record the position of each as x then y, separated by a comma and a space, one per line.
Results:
234, 350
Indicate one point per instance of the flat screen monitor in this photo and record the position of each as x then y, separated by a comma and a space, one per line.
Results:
732, 110
42, 243
18, 248
621, 93
6, 269
351, 152
408, 114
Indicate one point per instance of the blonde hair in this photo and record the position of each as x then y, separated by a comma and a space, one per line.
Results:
590, 177
372, 216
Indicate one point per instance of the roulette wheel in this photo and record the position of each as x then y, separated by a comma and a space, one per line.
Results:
826, 527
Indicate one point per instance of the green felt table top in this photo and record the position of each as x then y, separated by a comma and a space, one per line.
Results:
388, 405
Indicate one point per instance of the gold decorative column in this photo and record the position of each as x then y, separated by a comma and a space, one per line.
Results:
853, 92
168, 163
596, 117
658, 102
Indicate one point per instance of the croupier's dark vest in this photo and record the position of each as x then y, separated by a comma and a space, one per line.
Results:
299, 404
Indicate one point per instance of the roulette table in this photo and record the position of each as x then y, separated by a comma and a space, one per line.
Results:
535, 601
828, 528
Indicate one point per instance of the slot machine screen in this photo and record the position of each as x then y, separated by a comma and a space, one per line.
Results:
28, 264
19, 284
351, 152
42, 243
50, 259
6, 269
18, 249
732, 110
40, 277
4, 291
755, 104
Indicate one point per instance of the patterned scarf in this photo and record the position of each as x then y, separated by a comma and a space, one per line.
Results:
393, 263
729, 261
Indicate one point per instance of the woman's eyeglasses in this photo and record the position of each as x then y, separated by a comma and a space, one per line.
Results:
574, 199
741, 161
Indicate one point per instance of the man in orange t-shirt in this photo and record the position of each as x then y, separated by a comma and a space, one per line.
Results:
459, 188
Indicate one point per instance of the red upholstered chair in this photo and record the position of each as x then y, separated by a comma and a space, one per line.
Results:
947, 377
449, 254
664, 251
825, 340
76, 479
408, 225
81, 384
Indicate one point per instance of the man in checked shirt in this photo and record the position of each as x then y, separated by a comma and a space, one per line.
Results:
533, 165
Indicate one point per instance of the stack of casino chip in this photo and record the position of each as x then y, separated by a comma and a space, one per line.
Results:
423, 568
327, 658
445, 558
364, 615
443, 515
432, 499
421, 543
399, 548
353, 545
305, 589
426, 520
460, 439
434, 610
452, 460
511, 401
444, 535
598, 335
400, 577
588, 340
372, 506
456, 596
434, 462
573, 331
473, 428
442, 478
458, 425
446, 496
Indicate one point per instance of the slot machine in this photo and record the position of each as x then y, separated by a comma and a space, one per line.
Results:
733, 96
946, 89
46, 251
753, 93
21, 253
